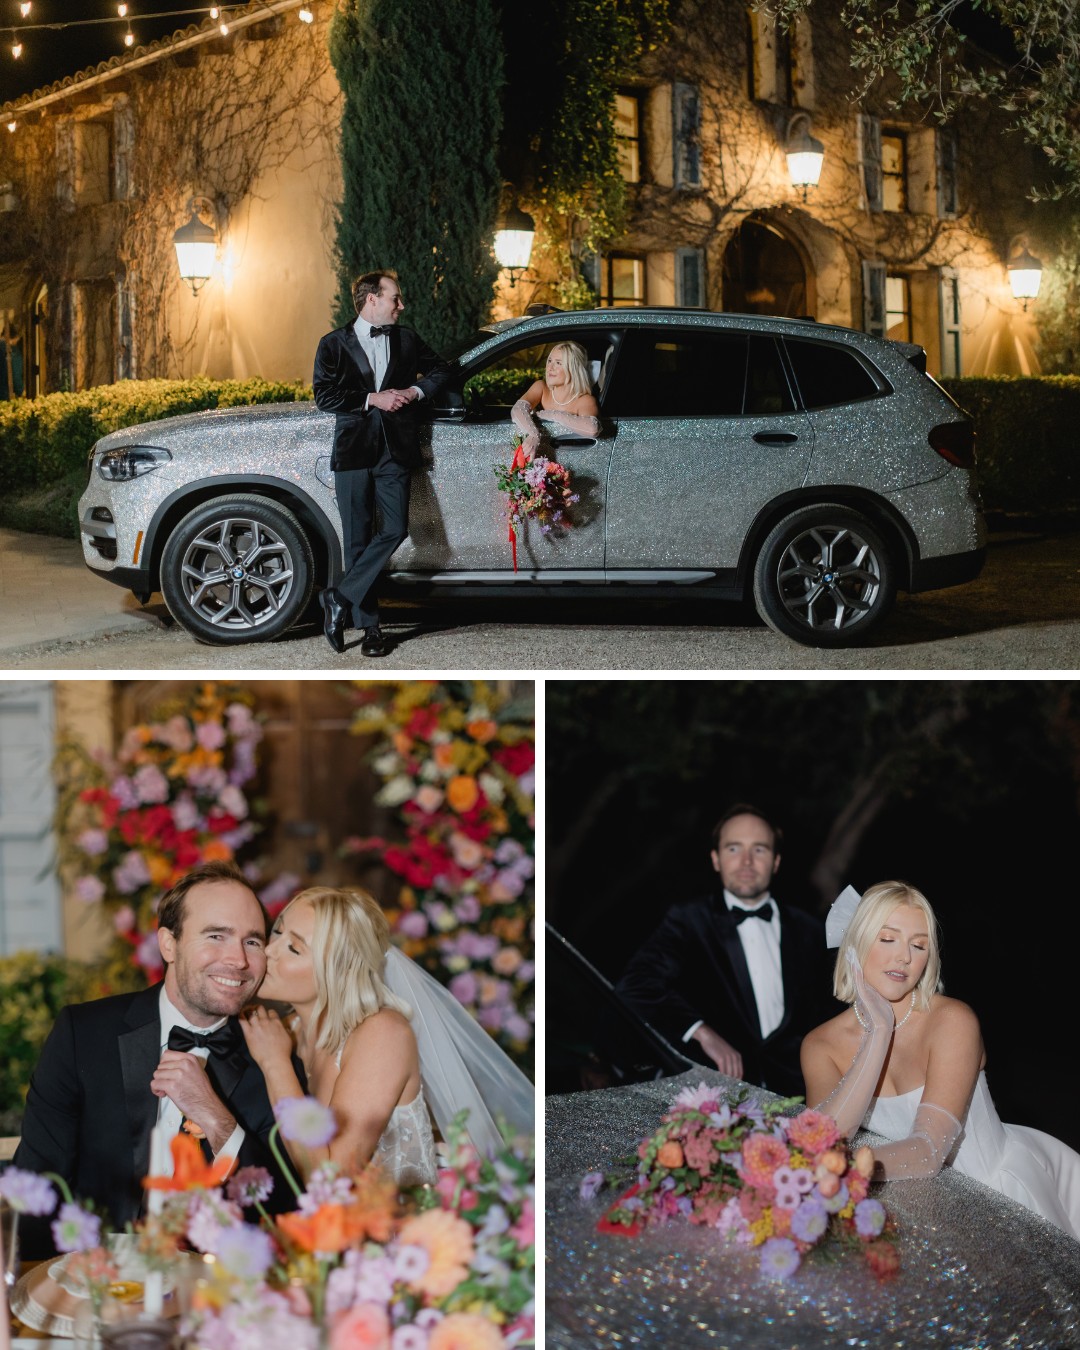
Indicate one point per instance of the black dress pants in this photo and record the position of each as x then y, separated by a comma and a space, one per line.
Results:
360, 493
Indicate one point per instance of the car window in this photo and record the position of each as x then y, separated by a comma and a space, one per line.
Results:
680, 374
507, 374
767, 389
828, 374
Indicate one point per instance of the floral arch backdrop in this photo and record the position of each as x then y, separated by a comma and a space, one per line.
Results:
456, 761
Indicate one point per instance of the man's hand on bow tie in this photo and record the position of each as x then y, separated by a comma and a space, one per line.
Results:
726, 1058
182, 1078
390, 400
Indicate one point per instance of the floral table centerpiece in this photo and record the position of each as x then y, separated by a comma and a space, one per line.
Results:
779, 1184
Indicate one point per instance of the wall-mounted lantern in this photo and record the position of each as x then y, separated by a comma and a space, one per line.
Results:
196, 246
514, 233
804, 154
1025, 272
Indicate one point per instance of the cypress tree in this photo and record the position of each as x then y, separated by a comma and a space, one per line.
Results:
419, 136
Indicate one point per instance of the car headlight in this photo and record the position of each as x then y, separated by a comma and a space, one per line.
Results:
130, 461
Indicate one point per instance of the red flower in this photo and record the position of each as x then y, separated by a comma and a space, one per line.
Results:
632, 1229
882, 1258
220, 822
424, 722
516, 759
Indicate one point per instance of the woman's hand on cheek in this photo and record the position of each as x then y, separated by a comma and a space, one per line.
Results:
267, 1037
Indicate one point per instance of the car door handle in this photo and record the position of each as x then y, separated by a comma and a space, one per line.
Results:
775, 437
573, 440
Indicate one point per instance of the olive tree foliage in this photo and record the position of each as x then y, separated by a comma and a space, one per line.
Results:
928, 47
420, 127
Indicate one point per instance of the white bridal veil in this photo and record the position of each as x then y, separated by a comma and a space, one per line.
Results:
460, 1065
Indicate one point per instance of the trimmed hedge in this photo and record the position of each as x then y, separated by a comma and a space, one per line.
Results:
43, 439
1028, 439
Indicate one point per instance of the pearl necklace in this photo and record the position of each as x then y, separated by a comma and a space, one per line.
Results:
561, 402
866, 1025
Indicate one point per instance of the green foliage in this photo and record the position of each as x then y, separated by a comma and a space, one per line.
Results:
419, 131
34, 989
44, 439
499, 386
1027, 452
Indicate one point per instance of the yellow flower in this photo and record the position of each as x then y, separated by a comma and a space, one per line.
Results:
448, 1241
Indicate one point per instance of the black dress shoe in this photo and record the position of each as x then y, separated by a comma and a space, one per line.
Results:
335, 612
374, 644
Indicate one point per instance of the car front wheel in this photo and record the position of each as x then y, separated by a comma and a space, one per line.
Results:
824, 577
237, 569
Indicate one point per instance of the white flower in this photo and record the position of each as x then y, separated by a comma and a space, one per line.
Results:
492, 788
387, 764
396, 791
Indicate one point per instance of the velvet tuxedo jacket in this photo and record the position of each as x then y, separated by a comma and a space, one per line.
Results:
343, 379
89, 1109
693, 968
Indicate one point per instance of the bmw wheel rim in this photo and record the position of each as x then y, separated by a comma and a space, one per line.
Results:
237, 573
829, 577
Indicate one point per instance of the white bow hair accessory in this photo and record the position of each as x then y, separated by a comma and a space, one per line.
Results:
841, 912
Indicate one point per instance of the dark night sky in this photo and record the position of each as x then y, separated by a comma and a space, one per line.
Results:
986, 832
50, 53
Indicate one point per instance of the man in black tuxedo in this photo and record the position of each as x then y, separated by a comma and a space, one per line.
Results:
372, 375
113, 1069
733, 978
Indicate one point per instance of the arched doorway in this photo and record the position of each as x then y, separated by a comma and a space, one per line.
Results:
764, 272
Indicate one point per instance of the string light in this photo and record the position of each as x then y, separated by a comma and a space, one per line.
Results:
16, 49
122, 11
224, 29
25, 8
306, 15
214, 11
129, 38
12, 125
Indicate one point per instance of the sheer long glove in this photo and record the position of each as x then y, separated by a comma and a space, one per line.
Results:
582, 423
521, 414
848, 1101
923, 1153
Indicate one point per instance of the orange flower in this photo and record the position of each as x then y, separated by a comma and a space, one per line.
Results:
216, 850
445, 754
671, 1154
483, 730
332, 1228
462, 792
365, 1326
403, 742
448, 1241
159, 867
465, 1331
191, 1171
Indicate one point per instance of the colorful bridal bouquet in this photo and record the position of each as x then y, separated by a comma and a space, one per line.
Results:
538, 488
780, 1184
457, 763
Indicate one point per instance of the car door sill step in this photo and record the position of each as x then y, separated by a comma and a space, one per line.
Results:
555, 577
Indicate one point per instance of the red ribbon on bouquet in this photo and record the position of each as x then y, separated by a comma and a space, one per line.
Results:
519, 461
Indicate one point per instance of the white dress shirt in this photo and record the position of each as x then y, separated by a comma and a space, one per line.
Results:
377, 351
761, 947
169, 1114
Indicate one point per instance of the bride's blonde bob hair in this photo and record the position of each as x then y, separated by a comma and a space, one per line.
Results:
576, 365
349, 943
867, 922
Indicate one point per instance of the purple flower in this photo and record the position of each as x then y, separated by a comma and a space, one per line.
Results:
722, 1118
700, 1098
150, 784
428, 1318
591, 1183
250, 1186
467, 909
26, 1192
869, 1218
232, 800
210, 735
93, 842
132, 873
245, 1251
810, 1220
281, 889
325, 1187
89, 889
409, 1337
185, 814
413, 923
242, 721
787, 1197
121, 789
836, 1202
517, 1028
76, 1229
526, 972
305, 1121
148, 953
464, 987
208, 1218
779, 1258
410, 1263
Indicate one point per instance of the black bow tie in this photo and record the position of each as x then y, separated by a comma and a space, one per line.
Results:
221, 1042
764, 911
383, 331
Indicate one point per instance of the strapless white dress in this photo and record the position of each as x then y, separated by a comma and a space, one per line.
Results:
1028, 1166
406, 1150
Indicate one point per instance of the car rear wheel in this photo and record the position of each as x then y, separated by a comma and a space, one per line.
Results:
824, 577
237, 569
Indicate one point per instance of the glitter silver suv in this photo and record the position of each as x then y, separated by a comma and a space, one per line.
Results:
814, 468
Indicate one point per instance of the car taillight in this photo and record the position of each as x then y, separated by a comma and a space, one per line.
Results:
955, 441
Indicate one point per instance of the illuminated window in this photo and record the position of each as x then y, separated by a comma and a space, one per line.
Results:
898, 308
950, 322
628, 134
894, 171
622, 280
